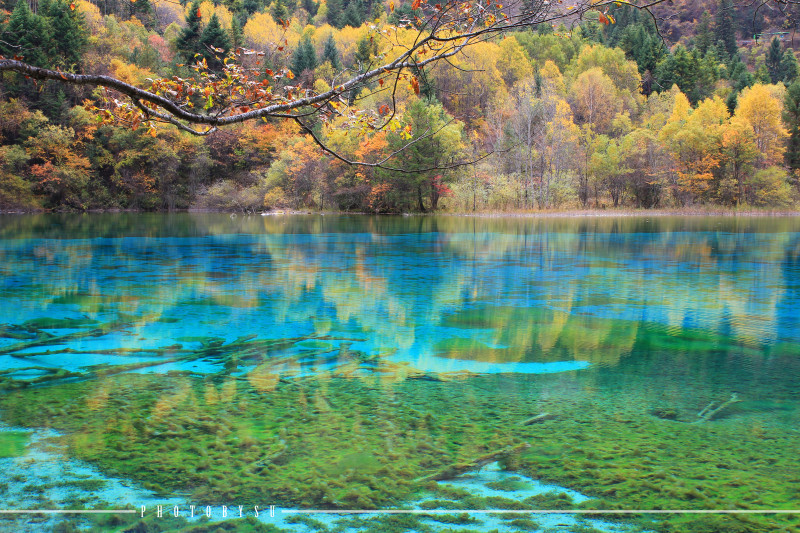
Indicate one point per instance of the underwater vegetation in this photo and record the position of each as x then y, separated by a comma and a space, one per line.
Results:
326, 441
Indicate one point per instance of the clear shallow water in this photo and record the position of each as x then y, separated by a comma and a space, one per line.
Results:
482, 322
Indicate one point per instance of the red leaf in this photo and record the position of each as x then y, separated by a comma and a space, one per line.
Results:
198, 12
604, 19
415, 5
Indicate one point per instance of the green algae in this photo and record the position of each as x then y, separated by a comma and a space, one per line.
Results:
328, 442
58, 323
524, 524
509, 484
220, 438
13, 443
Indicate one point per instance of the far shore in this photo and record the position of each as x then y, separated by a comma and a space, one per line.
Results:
551, 213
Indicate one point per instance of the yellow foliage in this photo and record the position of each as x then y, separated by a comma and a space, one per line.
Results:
468, 90
710, 113
207, 9
595, 100
760, 106
262, 32
513, 62
552, 75
680, 113
129, 73
91, 15
613, 63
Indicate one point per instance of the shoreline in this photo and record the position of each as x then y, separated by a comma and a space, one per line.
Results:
568, 213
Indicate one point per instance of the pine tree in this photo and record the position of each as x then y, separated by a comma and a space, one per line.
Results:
352, 15
789, 68
335, 13
311, 7
214, 37
279, 12
69, 34
762, 74
237, 35
304, 58
24, 36
188, 43
791, 116
774, 56
739, 75
366, 49
331, 53
143, 10
705, 35
725, 26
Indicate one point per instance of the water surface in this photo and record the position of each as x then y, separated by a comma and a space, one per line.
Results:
332, 362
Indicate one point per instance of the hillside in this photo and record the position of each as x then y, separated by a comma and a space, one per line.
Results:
608, 112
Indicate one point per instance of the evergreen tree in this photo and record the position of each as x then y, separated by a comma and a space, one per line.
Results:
762, 74
738, 74
694, 75
353, 14
774, 56
625, 17
593, 31
704, 37
251, 6
722, 52
188, 43
789, 68
331, 53
214, 37
69, 34
644, 48
791, 116
725, 26
304, 58
279, 12
237, 35
336, 13
311, 7
732, 101
143, 10
24, 36
366, 49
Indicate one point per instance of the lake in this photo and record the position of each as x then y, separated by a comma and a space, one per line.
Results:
287, 366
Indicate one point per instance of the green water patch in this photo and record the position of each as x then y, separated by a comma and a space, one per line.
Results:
533, 334
327, 442
13, 443
58, 323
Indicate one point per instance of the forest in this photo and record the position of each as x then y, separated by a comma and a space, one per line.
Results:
612, 111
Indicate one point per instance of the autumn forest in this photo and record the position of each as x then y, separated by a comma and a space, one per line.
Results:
696, 104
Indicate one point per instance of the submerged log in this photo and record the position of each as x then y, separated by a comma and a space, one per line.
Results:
457, 469
709, 411
537, 419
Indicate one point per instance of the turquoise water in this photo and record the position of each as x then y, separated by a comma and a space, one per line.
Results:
641, 321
